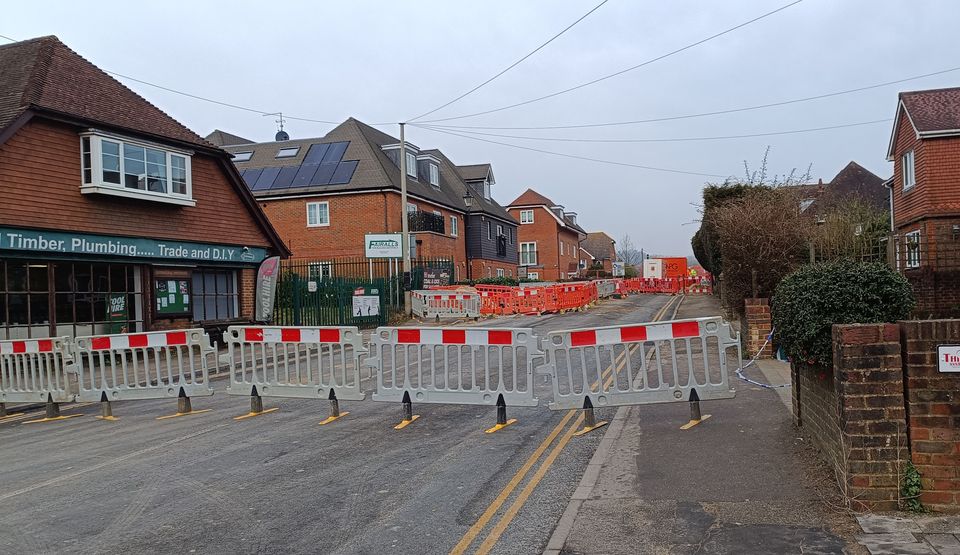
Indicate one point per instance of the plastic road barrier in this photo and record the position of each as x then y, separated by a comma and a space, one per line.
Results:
301, 362
35, 370
445, 304
153, 365
642, 364
470, 366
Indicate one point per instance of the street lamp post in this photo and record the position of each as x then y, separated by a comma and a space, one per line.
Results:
468, 202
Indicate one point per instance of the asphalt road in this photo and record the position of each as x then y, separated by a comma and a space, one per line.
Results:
279, 483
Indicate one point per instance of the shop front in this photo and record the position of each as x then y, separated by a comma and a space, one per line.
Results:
56, 283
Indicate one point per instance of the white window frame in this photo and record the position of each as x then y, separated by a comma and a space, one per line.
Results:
288, 152
561, 248
526, 216
908, 168
243, 156
912, 255
96, 185
533, 275
500, 272
486, 189
322, 270
411, 207
499, 231
489, 231
434, 175
454, 226
412, 165
318, 223
525, 257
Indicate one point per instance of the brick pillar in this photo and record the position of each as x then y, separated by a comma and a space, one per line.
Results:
872, 418
933, 402
247, 285
758, 326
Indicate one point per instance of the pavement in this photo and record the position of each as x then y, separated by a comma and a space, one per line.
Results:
280, 483
740, 482
910, 534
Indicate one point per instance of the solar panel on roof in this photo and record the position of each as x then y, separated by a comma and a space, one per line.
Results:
304, 176
334, 153
285, 177
250, 176
344, 172
266, 179
315, 154
323, 175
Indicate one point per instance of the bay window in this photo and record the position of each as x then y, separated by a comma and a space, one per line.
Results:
129, 168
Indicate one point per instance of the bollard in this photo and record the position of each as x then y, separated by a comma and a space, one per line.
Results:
408, 415
695, 415
184, 407
3, 410
52, 412
502, 421
334, 409
256, 406
589, 419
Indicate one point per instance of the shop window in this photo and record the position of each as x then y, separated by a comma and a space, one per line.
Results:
214, 295
124, 167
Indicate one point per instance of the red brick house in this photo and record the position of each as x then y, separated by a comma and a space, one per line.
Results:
925, 197
325, 194
549, 243
116, 218
600, 252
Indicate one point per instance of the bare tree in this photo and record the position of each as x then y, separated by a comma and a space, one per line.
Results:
628, 253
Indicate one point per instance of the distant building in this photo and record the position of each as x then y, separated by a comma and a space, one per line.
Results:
601, 249
852, 183
549, 237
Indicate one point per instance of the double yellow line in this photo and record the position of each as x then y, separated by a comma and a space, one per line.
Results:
501, 526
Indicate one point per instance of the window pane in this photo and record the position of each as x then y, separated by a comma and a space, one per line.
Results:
63, 277
156, 177
18, 309
101, 278
118, 278
81, 277
134, 166
100, 307
16, 276
84, 308
40, 309
38, 277
323, 213
178, 174
311, 214
222, 304
64, 302
221, 284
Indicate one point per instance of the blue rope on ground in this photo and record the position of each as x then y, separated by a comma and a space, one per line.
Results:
753, 360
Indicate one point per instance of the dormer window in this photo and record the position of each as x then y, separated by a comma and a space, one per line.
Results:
434, 175
412, 165
288, 152
486, 189
130, 168
242, 156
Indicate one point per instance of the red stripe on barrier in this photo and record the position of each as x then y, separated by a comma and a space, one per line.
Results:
686, 329
253, 334
290, 335
177, 338
138, 341
581, 338
498, 337
45, 345
633, 333
19, 346
408, 336
454, 337
330, 336
100, 343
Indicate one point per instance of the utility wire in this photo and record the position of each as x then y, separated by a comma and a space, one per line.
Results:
513, 65
565, 155
622, 71
668, 140
702, 114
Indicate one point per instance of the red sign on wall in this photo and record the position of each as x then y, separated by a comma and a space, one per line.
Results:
674, 267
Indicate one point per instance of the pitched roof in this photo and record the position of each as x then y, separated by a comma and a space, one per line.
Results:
222, 138
852, 182
474, 172
600, 245
45, 75
532, 198
373, 169
933, 110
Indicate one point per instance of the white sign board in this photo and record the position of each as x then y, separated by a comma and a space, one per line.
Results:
383, 245
366, 305
653, 268
312, 286
619, 269
948, 358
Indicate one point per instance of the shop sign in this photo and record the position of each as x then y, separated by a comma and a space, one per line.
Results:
267, 277
383, 245
436, 277
948, 358
619, 269
58, 242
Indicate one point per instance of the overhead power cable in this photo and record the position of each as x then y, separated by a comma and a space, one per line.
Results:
621, 72
667, 140
566, 155
701, 114
513, 65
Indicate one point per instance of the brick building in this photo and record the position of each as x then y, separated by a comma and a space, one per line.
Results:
325, 194
116, 218
549, 237
599, 252
925, 197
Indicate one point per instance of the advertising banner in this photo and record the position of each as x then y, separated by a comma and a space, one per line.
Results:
267, 277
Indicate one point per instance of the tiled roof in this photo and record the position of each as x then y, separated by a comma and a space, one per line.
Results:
45, 75
222, 138
474, 172
933, 110
852, 182
599, 245
532, 198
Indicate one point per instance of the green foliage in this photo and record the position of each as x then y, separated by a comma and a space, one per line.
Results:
809, 301
910, 490
491, 281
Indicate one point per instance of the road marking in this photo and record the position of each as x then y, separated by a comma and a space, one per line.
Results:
111, 462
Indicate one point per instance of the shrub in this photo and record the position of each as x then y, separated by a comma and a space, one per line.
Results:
809, 301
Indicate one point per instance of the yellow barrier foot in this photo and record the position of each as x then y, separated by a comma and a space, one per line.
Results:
330, 419
404, 423
11, 415
110, 418
179, 414
588, 429
693, 423
252, 414
499, 427
52, 418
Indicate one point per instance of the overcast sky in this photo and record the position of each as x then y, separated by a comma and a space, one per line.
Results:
385, 61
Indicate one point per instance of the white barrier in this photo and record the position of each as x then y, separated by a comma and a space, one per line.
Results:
642, 364
151, 365
301, 362
606, 288
35, 370
445, 304
472, 366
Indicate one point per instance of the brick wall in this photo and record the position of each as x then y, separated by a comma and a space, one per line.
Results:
820, 418
547, 233
934, 411
482, 268
756, 326
247, 284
